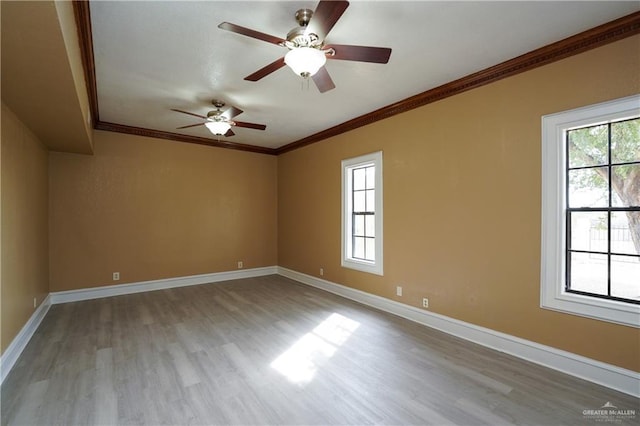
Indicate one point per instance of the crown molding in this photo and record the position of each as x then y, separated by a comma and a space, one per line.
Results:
599, 36
139, 131
85, 36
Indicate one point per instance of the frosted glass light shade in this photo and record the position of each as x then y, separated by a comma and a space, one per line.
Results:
305, 61
218, 127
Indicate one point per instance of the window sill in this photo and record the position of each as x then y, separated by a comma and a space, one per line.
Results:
362, 266
591, 307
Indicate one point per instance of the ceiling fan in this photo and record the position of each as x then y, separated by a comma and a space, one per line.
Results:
307, 49
219, 122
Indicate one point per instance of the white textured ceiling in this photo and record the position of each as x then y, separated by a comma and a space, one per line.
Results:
151, 56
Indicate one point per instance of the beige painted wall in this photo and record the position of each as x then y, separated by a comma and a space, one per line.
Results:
151, 208
462, 192
25, 258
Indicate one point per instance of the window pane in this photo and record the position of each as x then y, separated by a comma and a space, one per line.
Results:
589, 273
358, 247
588, 188
358, 178
358, 201
589, 231
621, 239
358, 225
625, 141
371, 200
588, 146
371, 249
627, 178
371, 177
625, 277
370, 227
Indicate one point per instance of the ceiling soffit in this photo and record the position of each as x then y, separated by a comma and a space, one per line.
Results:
42, 79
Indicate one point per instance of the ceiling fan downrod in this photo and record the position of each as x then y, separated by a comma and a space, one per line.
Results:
303, 17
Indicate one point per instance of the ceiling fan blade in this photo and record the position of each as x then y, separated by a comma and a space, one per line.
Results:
190, 113
190, 125
325, 17
250, 33
229, 133
263, 72
345, 52
323, 81
231, 112
250, 125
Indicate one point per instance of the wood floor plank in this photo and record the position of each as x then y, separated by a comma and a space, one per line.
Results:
269, 350
182, 365
105, 397
29, 410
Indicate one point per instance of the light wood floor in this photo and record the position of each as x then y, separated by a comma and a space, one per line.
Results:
271, 351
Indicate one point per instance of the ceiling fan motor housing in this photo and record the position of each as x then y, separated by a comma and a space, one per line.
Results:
213, 114
216, 114
298, 37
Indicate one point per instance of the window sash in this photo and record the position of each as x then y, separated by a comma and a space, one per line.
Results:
553, 295
606, 210
362, 213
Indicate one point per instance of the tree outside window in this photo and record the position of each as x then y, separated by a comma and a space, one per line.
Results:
603, 210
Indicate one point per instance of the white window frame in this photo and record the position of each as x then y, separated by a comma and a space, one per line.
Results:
553, 262
375, 267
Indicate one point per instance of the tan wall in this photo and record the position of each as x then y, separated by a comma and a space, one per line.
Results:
150, 209
462, 192
25, 257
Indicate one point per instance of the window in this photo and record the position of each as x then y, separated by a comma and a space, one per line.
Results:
362, 213
591, 211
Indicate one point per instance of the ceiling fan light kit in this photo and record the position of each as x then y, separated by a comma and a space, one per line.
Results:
305, 61
218, 128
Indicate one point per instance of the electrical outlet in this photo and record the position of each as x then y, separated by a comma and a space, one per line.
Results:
399, 291
116, 276
240, 264
425, 303
321, 272
34, 302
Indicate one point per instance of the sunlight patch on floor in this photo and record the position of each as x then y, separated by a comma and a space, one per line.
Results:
302, 360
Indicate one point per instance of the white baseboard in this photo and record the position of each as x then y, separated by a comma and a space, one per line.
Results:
608, 375
11, 355
617, 378
143, 286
